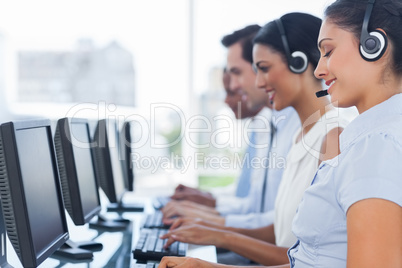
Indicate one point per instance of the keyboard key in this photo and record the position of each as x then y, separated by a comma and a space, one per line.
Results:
150, 246
154, 220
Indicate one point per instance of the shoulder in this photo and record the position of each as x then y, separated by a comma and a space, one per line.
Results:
378, 148
371, 168
334, 123
330, 144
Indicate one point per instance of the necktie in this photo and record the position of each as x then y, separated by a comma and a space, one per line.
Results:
264, 186
243, 185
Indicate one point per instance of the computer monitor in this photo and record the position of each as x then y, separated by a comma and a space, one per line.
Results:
31, 196
77, 174
109, 166
79, 185
3, 247
126, 155
78, 179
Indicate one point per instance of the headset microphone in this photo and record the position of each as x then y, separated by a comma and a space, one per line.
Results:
321, 93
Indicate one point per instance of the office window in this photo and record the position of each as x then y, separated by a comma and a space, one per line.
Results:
129, 56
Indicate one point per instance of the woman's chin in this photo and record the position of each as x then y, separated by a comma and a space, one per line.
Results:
339, 103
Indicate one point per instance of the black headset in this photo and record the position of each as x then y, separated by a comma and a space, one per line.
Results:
373, 44
297, 61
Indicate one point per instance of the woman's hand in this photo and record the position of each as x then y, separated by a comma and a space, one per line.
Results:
183, 192
195, 234
181, 262
185, 221
190, 209
170, 262
182, 221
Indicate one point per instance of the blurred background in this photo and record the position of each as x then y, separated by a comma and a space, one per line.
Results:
155, 62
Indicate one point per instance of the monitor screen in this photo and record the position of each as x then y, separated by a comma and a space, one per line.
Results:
80, 188
114, 149
126, 152
33, 209
108, 164
85, 171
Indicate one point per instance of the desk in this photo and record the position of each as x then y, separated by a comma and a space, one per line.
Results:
117, 246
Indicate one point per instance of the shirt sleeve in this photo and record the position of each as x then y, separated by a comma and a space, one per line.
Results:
230, 204
373, 170
251, 220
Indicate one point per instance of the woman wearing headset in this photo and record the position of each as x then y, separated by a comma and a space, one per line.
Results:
285, 55
351, 215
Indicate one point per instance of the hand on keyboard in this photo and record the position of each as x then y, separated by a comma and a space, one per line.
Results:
151, 247
190, 209
183, 192
175, 223
145, 265
184, 262
154, 220
194, 234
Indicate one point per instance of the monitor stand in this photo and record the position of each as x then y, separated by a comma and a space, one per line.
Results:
121, 207
102, 223
3, 242
70, 251
87, 245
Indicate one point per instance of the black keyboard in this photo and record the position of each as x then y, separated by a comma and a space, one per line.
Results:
154, 220
145, 265
150, 247
160, 201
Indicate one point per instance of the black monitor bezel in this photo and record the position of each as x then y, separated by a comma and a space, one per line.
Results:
21, 233
104, 166
69, 180
125, 142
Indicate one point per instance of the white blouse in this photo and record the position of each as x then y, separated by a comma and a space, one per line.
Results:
301, 165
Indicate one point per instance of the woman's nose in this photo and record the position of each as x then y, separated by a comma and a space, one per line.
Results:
320, 71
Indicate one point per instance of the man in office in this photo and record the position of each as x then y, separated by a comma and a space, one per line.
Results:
257, 209
242, 109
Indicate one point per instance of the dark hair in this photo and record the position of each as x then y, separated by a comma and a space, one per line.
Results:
386, 14
301, 31
245, 38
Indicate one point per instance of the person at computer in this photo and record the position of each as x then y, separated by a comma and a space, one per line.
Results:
287, 83
257, 209
234, 98
238, 105
351, 215
253, 107
250, 108
235, 101
243, 108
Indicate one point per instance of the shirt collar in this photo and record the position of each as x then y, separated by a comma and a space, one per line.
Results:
280, 117
370, 119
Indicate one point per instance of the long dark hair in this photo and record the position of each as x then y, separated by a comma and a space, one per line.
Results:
386, 14
301, 31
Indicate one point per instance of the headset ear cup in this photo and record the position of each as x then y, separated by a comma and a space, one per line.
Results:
378, 37
299, 62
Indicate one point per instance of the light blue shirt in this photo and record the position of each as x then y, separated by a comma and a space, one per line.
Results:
244, 184
369, 166
286, 123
